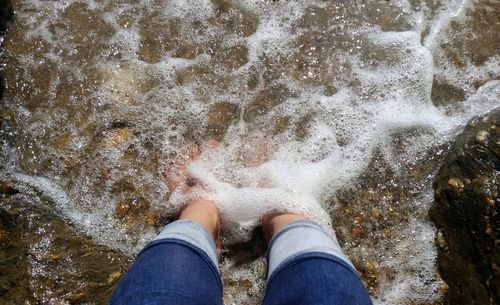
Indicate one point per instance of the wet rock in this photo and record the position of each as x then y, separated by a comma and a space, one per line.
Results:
329, 90
131, 207
7, 188
235, 19
220, 116
388, 17
123, 185
157, 37
6, 13
248, 290
253, 81
188, 51
44, 260
117, 137
467, 216
232, 58
372, 216
281, 124
445, 94
478, 34
303, 126
124, 81
482, 136
265, 100
203, 73
87, 43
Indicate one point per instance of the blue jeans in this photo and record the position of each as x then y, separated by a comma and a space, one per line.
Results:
179, 267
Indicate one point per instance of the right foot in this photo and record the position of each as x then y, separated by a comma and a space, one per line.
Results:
205, 213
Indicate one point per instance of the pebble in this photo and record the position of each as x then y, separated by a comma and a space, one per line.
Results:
55, 257
356, 231
118, 137
74, 298
456, 183
122, 209
482, 136
441, 241
113, 277
490, 202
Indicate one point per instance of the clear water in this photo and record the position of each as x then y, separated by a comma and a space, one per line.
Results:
339, 109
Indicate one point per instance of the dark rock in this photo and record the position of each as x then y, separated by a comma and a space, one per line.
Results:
220, 116
266, 100
157, 37
6, 14
303, 126
232, 58
44, 260
280, 125
132, 207
7, 188
235, 19
188, 50
466, 214
445, 94
248, 251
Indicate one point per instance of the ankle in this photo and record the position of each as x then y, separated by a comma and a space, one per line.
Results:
274, 223
205, 213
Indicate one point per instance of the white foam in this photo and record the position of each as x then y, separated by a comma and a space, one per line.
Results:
189, 10
97, 223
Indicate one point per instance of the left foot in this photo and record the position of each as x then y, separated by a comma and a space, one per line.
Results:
200, 210
205, 213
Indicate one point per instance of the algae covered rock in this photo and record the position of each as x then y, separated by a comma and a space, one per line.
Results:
467, 216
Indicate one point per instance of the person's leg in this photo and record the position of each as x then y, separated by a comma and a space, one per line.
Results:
307, 266
179, 267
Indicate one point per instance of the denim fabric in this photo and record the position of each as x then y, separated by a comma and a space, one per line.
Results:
177, 268
315, 278
170, 271
307, 267
192, 233
298, 237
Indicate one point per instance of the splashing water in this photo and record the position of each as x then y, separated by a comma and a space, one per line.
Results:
340, 110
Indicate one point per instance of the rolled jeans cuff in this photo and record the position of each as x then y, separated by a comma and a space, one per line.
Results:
300, 237
193, 234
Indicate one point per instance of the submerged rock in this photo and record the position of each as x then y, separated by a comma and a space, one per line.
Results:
44, 260
466, 214
445, 94
220, 117
6, 14
266, 100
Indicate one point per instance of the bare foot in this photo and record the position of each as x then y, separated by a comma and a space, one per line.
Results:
205, 213
202, 211
177, 174
274, 222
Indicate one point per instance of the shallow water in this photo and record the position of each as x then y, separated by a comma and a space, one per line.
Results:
346, 107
